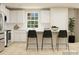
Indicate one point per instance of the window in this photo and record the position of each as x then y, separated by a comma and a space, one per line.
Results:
32, 20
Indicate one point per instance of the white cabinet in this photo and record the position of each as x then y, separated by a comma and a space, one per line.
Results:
59, 18
45, 16
2, 8
45, 19
17, 16
18, 35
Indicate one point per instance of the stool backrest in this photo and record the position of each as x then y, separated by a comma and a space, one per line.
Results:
62, 33
47, 33
32, 33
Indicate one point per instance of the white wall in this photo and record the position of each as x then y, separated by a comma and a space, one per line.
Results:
75, 13
59, 18
76, 28
55, 16
71, 12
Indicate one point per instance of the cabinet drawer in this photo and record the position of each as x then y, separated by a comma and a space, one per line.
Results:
1, 35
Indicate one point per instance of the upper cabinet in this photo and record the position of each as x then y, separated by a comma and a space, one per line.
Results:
2, 8
59, 18
45, 19
45, 16
17, 16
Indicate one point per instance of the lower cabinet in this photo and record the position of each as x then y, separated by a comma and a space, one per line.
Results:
18, 35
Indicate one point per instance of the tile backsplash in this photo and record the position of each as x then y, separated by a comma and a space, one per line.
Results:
10, 26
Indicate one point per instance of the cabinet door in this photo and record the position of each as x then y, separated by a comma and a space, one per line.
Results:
45, 16
20, 16
17, 16
13, 17
19, 35
45, 19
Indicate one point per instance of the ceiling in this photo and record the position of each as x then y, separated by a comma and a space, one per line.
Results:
40, 5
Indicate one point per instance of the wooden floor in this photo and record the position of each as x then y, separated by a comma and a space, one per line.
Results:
19, 48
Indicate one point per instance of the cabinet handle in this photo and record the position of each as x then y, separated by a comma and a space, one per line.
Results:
1, 38
1, 33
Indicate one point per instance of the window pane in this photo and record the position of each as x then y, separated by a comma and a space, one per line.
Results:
36, 18
32, 18
36, 26
29, 14
31, 26
28, 26
36, 14
32, 22
32, 14
29, 22
29, 18
36, 22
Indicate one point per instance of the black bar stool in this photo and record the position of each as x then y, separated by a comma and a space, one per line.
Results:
32, 34
47, 34
62, 34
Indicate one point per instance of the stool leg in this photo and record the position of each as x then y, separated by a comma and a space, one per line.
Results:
57, 44
42, 44
68, 46
37, 43
66, 43
52, 43
27, 43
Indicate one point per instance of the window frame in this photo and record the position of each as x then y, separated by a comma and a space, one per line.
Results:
30, 20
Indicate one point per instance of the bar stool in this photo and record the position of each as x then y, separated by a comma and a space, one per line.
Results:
32, 34
62, 34
47, 34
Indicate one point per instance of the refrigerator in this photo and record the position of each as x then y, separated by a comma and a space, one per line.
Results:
2, 41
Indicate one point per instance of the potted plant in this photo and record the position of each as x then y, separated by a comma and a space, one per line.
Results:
54, 28
71, 29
